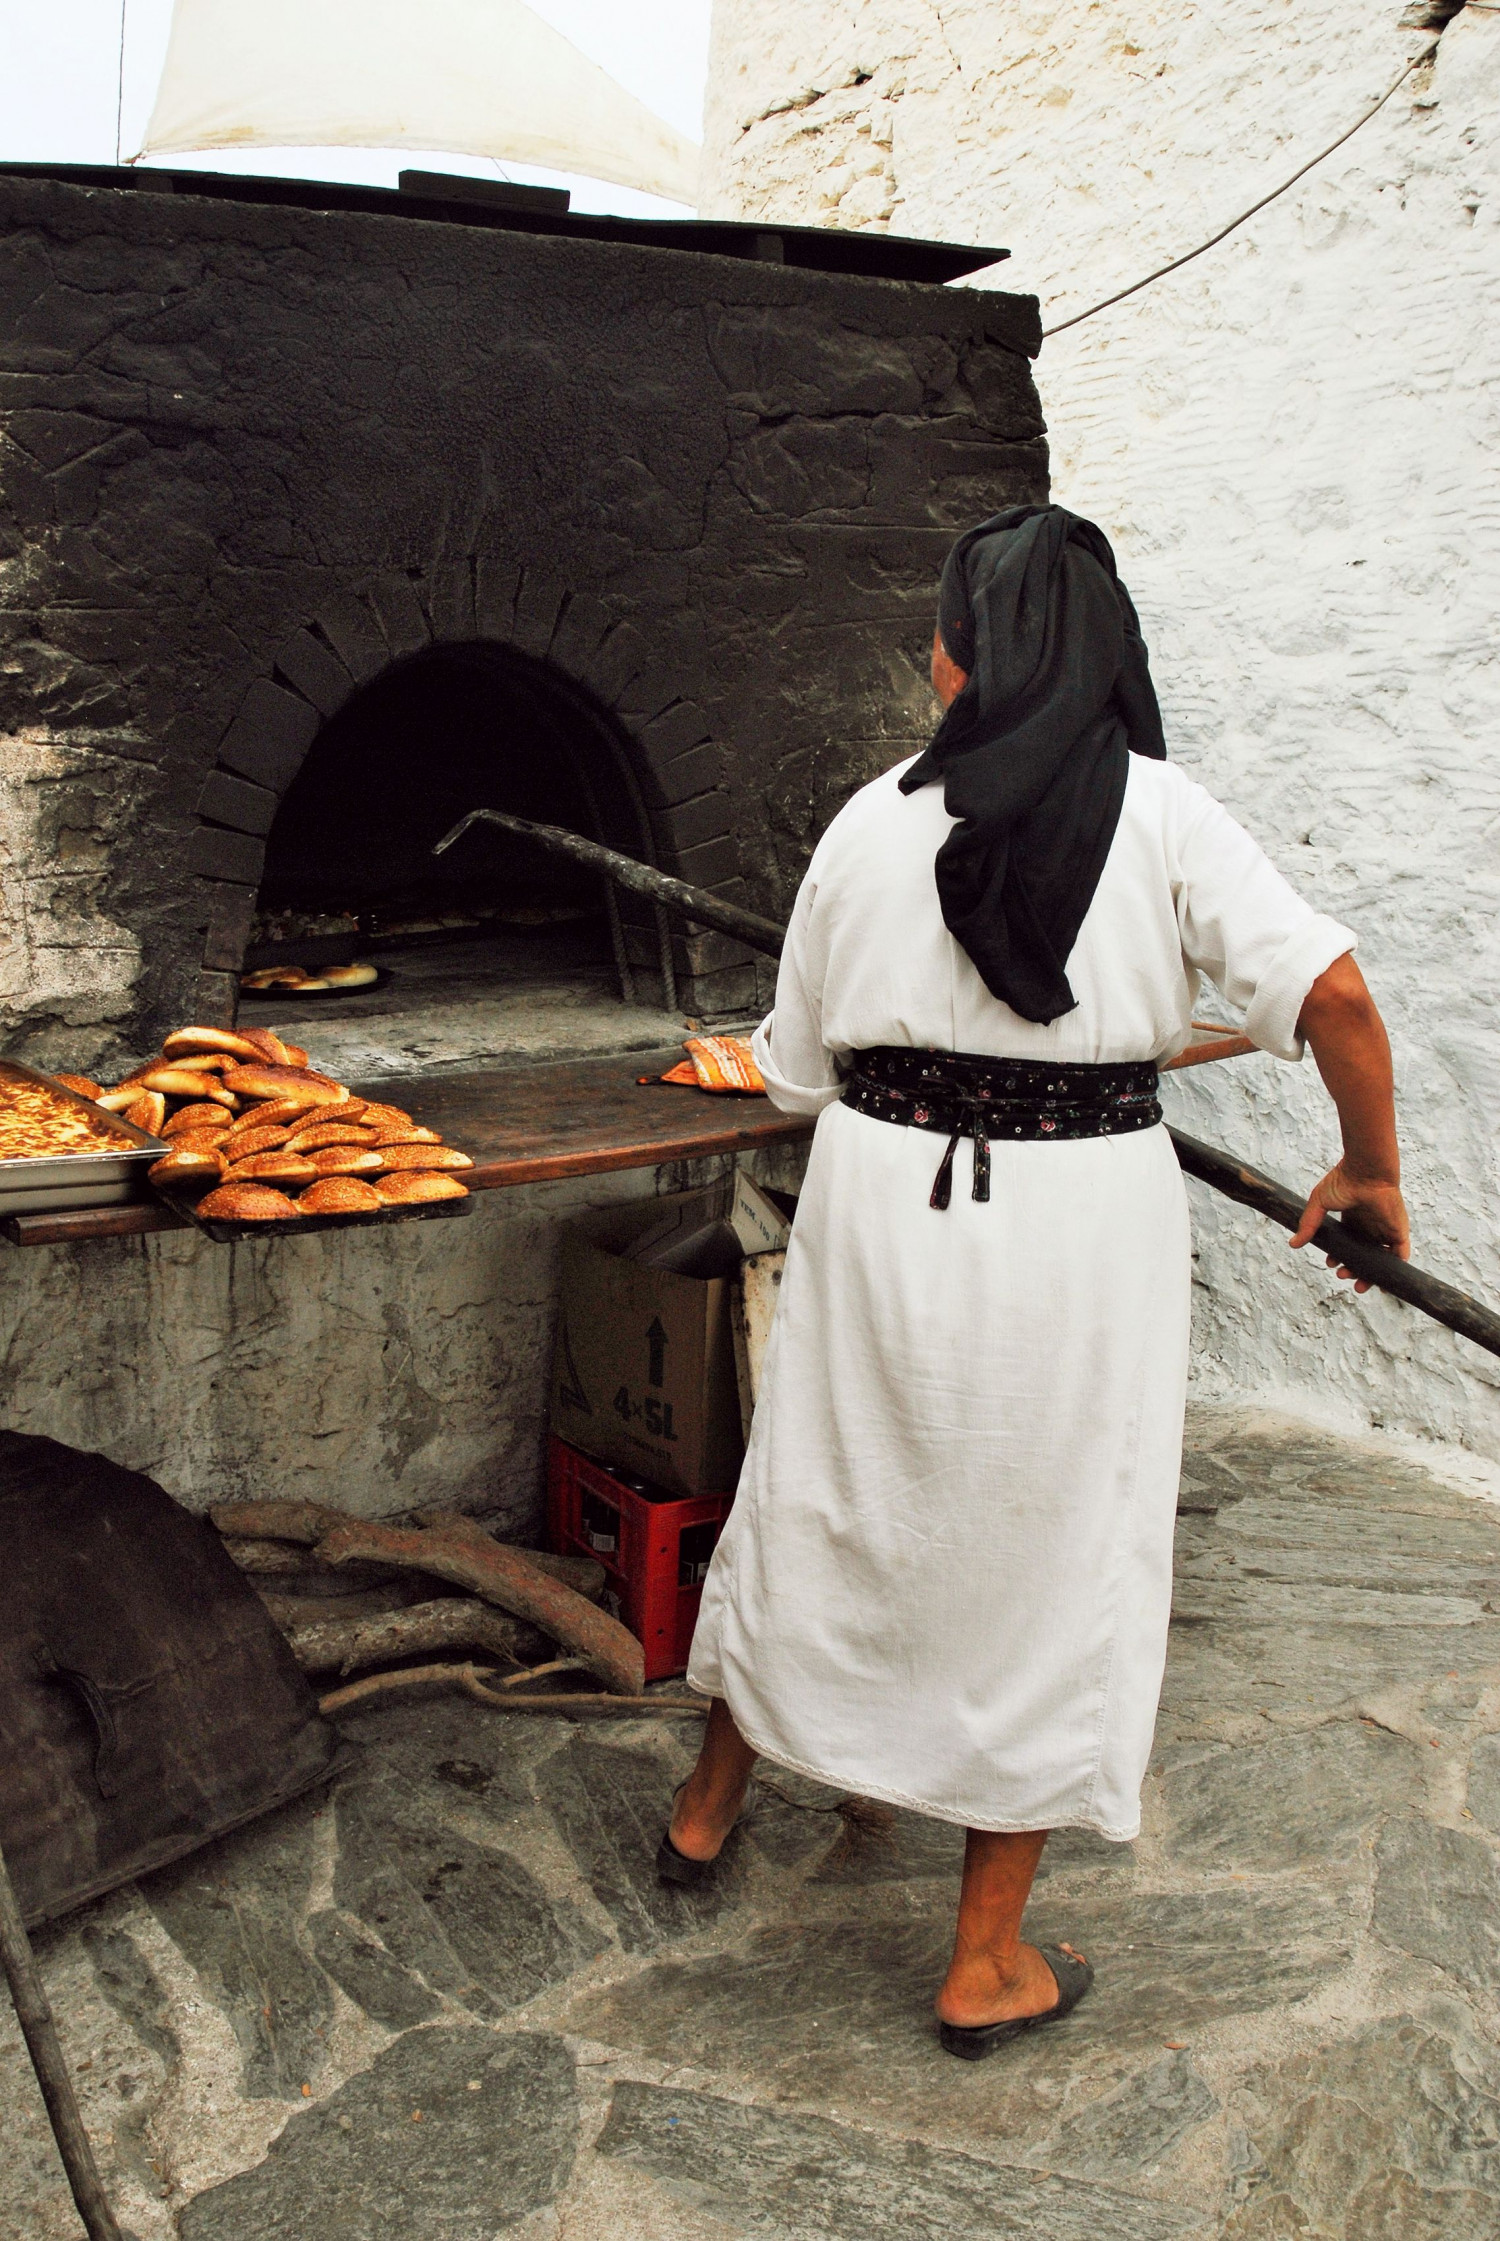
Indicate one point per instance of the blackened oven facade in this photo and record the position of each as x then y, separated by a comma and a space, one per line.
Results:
311, 520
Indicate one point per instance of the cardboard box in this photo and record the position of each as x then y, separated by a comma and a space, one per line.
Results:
761, 1220
644, 1372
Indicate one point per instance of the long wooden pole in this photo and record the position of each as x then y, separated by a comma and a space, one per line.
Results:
34, 2014
642, 879
1444, 1302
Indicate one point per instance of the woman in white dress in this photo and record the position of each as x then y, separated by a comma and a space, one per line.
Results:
947, 1575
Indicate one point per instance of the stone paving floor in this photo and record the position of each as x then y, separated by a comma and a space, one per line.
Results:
451, 2002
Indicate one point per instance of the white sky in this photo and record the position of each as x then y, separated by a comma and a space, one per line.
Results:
60, 80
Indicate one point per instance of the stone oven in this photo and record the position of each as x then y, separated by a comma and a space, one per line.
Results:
325, 507
329, 513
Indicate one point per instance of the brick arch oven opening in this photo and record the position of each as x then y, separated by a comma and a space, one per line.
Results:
496, 947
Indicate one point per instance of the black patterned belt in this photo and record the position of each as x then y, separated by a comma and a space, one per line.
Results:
957, 1093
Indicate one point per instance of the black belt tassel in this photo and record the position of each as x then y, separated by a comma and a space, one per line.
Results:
942, 1188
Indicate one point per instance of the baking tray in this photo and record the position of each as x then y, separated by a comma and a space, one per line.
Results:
229, 1233
110, 1177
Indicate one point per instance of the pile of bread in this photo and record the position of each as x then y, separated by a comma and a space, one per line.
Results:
253, 1125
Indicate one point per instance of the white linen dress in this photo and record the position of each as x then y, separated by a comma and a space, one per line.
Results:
946, 1578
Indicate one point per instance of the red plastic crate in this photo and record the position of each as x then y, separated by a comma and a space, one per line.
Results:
662, 1543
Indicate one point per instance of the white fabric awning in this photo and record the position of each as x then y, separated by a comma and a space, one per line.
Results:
474, 77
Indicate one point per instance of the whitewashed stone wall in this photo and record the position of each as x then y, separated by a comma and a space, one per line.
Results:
375, 1371
66, 967
1294, 445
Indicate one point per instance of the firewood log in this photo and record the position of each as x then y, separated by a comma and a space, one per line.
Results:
307, 1522
266, 1556
289, 1607
463, 1553
276, 1521
347, 1645
286, 1561
472, 1679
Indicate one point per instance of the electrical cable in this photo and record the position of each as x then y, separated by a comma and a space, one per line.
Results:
1313, 161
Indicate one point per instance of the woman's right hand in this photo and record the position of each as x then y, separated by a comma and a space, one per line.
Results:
1374, 1210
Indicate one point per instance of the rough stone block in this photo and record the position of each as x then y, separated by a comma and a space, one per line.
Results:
1484, 1781
609, 669
686, 775
1299, 1797
693, 823
400, 614
800, 467
230, 912
708, 952
1391, 2133
805, 2176
1138, 2124
781, 359
537, 603
214, 999
377, 1985
227, 800
450, 601
727, 992
580, 627
653, 688
270, 735
1438, 1895
496, 583
1000, 389
468, 2134
710, 860
674, 732
312, 666
609, 1805
467, 1921
1176, 1960
351, 629
214, 853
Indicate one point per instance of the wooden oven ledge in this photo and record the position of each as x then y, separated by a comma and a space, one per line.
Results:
539, 1124
520, 1124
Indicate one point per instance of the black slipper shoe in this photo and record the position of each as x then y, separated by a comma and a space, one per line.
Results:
675, 1867
971, 2043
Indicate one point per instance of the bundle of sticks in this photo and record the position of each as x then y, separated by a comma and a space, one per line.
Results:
363, 1601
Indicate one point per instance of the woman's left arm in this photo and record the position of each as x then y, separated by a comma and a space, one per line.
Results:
1353, 1053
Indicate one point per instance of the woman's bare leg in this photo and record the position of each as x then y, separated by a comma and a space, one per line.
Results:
708, 1804
993, 1977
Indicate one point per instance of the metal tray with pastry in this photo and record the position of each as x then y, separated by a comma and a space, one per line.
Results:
256, 1141
59, 1148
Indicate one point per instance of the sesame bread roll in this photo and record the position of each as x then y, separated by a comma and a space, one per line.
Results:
247, 1202
429, 1158
416, 1189
340, 1194
346, 1159
280, 1167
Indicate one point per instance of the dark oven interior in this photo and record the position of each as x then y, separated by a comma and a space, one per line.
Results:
350, 876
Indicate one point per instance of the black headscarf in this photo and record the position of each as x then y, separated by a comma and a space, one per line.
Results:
1032, 753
